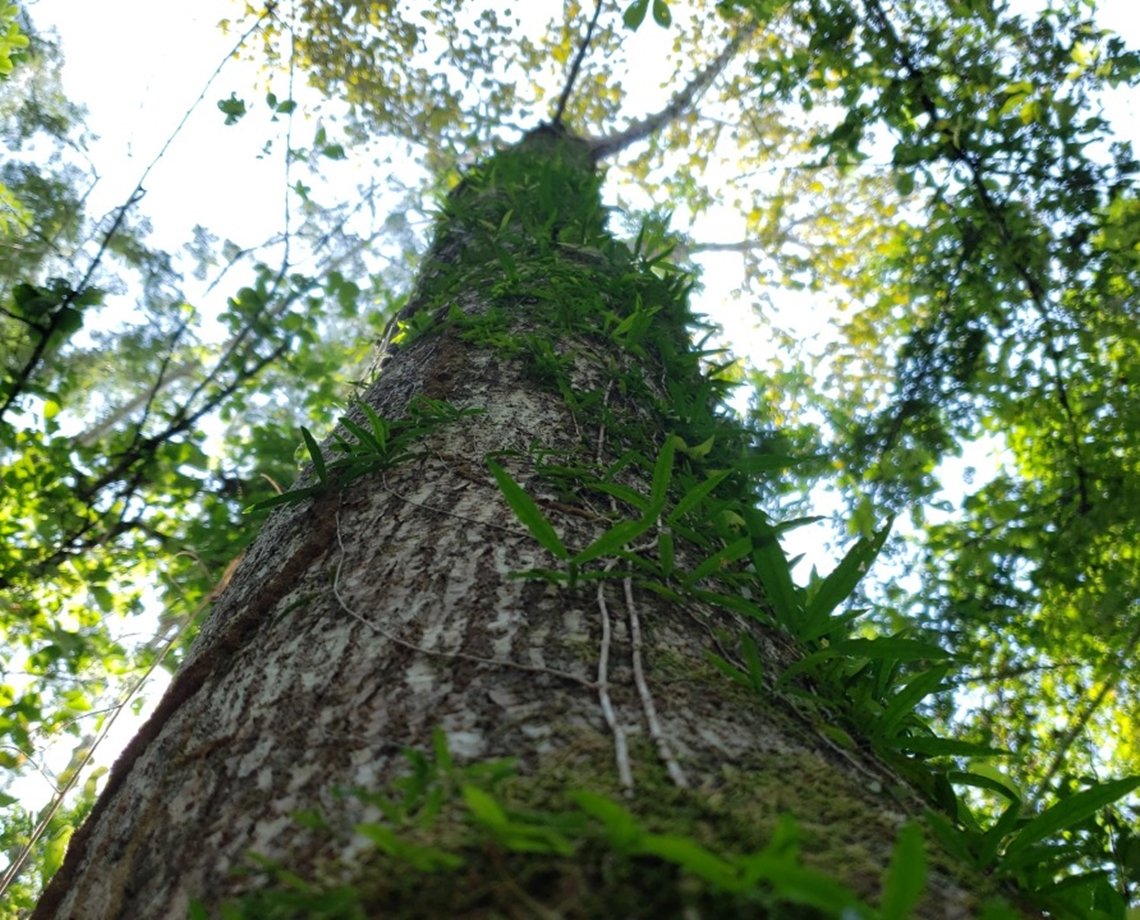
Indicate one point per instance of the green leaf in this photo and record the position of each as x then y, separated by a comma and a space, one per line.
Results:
379, 425
364, 437
661, 14
442, 754
635, 13
729, 670
689, 855
314, 450
953, 839
426, 859
292, 497
752, 659
841, 582
103, 597
11, 38
233, 108
732, 602
991, 840
54, 851
903, 703
1000, 910
838, 735
983, 776
799, 885
67, 322
621, 827
613, 539
1071, 811
945, 747
891, 647
773, 570
906, 875
904, 182
700, 450
737, 549
884, 649
32, 302
528, 512
696, 495
623, 493
484, 808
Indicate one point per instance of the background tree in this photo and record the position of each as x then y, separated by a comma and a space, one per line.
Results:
112, 502
964, 314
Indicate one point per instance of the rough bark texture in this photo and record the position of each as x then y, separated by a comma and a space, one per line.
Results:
364, 619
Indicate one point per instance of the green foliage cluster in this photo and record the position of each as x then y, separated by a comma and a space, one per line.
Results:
996, 306
595, 834
12, 39
366, 449
133, 437
854, 690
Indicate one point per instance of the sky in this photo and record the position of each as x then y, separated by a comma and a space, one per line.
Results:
139, 65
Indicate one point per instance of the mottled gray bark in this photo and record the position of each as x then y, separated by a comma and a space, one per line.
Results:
362, 620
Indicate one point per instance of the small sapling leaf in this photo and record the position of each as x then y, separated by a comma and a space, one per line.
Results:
906, 875
484, 808
314, 450
528, 512
696, 495
635, 13
233, 108
839, 585
613, 539
1071, 811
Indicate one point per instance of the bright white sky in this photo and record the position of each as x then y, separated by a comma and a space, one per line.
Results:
138, 65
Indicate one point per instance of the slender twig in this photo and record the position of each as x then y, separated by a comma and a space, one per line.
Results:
30, 757
664, 751
582, 48
289, 139
621, 748
682, 101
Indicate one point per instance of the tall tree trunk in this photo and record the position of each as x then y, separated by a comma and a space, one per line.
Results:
385, 615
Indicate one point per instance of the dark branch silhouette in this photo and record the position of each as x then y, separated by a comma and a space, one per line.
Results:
681, 102
574, 68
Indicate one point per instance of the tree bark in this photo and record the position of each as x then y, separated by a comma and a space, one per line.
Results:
386, 607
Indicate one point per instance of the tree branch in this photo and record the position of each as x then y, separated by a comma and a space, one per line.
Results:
682, 102
570, 80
